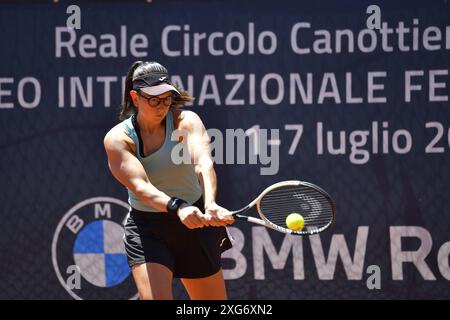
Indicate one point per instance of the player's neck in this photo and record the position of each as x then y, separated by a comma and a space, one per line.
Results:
148, 125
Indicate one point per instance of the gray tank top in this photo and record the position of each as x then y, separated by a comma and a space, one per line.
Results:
176, 180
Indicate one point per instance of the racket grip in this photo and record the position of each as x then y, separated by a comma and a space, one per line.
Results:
249, 219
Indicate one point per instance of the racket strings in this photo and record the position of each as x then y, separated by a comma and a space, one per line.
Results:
314, 206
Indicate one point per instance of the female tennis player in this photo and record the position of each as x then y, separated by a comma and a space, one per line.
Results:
166, 233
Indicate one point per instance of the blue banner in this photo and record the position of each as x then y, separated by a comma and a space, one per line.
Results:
351, 98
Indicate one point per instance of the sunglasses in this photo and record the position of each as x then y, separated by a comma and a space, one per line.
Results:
155, 101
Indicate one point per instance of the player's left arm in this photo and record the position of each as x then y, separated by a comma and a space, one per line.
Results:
199, 148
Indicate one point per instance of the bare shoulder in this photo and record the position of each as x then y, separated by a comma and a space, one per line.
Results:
118, 139
187, 119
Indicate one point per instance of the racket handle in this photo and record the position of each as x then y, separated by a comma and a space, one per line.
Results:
249, 219
239, 216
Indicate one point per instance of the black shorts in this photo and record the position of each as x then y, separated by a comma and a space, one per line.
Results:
162, 238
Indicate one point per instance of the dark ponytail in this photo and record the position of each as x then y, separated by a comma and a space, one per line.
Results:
128, 108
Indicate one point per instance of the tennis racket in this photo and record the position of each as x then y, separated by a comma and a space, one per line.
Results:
279, 200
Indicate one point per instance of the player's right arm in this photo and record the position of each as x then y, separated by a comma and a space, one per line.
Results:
128, 170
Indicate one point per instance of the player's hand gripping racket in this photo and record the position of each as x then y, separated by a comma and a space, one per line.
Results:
281, 199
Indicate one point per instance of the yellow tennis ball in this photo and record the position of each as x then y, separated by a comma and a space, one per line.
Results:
295, 221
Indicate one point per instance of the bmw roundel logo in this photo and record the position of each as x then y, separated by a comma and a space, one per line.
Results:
88, 253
